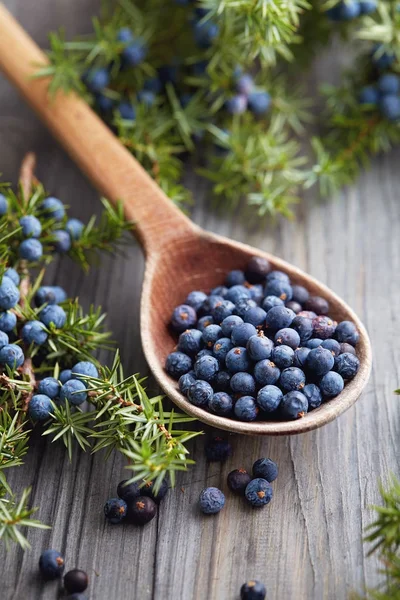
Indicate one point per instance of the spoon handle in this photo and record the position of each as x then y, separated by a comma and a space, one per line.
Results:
96, 150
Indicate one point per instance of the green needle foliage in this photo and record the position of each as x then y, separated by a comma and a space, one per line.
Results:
118, 414
265, 160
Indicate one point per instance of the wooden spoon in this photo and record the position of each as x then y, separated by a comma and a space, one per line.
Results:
180, 256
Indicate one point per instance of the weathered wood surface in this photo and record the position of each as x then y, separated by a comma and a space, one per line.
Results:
308, 543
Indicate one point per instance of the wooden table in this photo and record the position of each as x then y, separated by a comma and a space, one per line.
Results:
308, 543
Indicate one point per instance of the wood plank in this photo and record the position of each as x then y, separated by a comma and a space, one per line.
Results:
307, 543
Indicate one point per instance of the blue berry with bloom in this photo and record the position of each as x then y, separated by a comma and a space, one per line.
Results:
331, 384
205, 33
75, 228
235, 277
237, 293
50, 294
300, 357
222, 310
54, 208
266, 372
134, 53
313, 395
183, 317
241, 334
229, 323
369, 95
124, 34
31, 226
269, 398
204, 322
246, 409
178, 364
9, 293
349, 10
146, 98
347, 332
221, 404
31, 250
236, 105
127, 110
211, 334
97, 79
200, 393
294, 405
51, 564
49, 386
190, 341
211, 501
243, 383
266, 469
347, 365
255, 315
85, 368
368, 6
53, 314
153, 84
195, 299
3, 339
115, 510
244, 84
287, 337
74, 391
8, 321
243, 305
292, 379
258, 492
34, 332
320, 361
3, 205
259, 102
282, 356
185, 381
40, 407
390, 107
382, 59
221, 349
331, 345
62, 241
206, 367
389, 83
280, 288
65, 375
253, 590
13, 275
278, 317
12, 356
237, 360
271, 301
259, 347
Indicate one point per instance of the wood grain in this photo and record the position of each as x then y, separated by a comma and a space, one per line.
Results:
180, 256
307, 543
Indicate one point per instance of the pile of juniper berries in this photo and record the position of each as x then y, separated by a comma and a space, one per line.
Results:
260, 347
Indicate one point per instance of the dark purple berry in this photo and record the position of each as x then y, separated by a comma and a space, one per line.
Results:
317, 304
217, 450
257, 269
324, 327
300, 294
253, 590
128, 491
51, 564
76, 581
238, 480
148, 489
266, 469
294, 306
141, 510
115, 510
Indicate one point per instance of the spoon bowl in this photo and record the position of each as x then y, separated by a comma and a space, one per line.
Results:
180, 256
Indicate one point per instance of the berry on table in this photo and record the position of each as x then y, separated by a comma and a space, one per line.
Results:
49, 386
34, 332
40, 407
31, 226
183, 317
74, 391
178, 364
12, 356
31, 250
253, 590
331, 384
51, 564
294, 405
148, 490
221, 404
200, 393
211, 501
53, 314
217, 450
246, 408
258, 492
128, 491
269, 398
266, 469
141, 510
347, 365
76, 581
115, 510
238, 480
9, 293
313, 395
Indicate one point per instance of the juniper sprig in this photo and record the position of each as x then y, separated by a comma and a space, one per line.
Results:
43, 335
